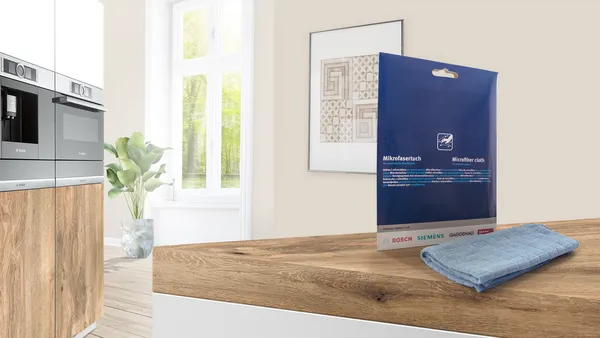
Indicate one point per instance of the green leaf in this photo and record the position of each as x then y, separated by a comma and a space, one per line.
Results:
135, 154
161, 170
121, 146
130, 165
112, 177
114, 192
152, 184
158, 157
148, 175
137, 141
111, 149
147, 161
128, 177
116, 167
158, 150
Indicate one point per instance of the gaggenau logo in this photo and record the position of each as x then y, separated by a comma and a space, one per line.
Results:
462, 233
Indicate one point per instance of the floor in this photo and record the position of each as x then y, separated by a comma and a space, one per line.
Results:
127, 297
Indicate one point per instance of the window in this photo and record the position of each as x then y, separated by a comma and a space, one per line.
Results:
210, 68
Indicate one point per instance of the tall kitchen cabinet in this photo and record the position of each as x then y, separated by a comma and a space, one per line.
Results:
80, 40
27, 245
51, 234
27, 28
79, 257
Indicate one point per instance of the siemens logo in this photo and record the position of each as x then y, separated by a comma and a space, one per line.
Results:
462, 233
401, 239
429, 237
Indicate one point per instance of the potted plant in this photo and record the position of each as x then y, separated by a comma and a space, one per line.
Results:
133, 177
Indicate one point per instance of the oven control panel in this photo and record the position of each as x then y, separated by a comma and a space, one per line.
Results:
19, 69
81, 90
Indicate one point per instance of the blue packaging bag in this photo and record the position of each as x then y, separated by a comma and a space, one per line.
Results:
436, 152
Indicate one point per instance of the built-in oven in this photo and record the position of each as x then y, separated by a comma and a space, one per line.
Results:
27, 111
79, 121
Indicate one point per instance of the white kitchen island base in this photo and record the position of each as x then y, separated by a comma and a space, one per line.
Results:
185, 317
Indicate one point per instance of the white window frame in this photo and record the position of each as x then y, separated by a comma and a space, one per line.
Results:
212, 66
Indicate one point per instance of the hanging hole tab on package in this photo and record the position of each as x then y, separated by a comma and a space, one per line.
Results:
445, 73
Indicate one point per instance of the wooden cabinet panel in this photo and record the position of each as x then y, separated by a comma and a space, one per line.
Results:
79, 258
27, 263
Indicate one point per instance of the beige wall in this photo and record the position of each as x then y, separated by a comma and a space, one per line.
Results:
263, 186
124, 83
547, 55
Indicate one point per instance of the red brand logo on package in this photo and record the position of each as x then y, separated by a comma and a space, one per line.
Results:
485, 231
401, 239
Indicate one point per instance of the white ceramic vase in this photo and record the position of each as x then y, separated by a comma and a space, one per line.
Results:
137, 237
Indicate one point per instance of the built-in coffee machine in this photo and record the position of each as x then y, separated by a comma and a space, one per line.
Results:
27, 146
27, 119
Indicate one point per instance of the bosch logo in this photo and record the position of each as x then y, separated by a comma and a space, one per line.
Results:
18, 150
81, 154
401, 239
485, 231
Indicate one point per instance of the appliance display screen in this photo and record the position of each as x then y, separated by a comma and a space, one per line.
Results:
10, 67
30, 74
78, 128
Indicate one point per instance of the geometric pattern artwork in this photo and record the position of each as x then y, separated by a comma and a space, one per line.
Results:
365, 123
349, 89
336, 75
365, 74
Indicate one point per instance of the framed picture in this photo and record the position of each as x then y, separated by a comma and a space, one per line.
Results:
344, 73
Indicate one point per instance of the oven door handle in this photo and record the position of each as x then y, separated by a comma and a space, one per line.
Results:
69, 181
77, 102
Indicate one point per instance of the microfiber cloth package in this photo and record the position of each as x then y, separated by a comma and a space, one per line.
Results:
436, 152
482, 262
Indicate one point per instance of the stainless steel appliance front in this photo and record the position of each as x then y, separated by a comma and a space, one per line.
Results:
26, 110
79, 121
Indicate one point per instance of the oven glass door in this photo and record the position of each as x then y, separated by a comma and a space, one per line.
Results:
79, 134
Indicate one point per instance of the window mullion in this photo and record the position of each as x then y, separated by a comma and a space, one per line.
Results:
176, 160
218, 130
213, 129
219, 94
210, 130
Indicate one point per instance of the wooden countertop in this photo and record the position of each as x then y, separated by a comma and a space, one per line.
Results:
345, 276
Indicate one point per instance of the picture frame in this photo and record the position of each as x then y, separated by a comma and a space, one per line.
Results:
343, 87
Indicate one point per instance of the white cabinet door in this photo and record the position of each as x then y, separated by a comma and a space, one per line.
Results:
27, 29
184, 317
80, 40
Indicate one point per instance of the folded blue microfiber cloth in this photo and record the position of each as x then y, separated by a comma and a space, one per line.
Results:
484, 261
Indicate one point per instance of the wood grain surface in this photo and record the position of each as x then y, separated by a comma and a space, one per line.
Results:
79, 258
346, 276
27, 263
